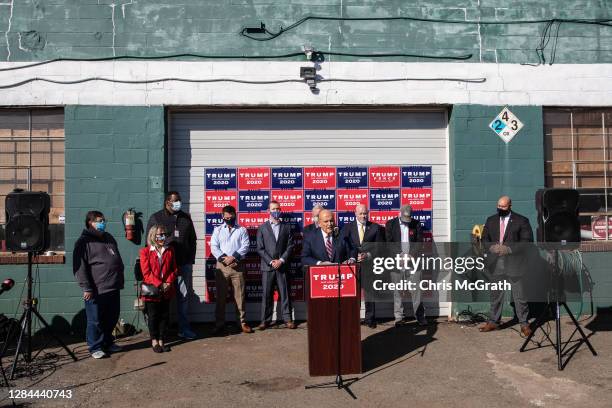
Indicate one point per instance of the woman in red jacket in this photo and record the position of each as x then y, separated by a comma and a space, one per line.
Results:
159, 269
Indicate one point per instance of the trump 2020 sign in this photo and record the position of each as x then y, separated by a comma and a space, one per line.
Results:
298, 190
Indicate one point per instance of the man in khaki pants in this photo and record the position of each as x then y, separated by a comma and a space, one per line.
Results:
229, 245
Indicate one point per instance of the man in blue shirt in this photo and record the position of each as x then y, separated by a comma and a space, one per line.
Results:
229, 245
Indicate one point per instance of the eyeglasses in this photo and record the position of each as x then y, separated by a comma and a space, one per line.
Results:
160, 236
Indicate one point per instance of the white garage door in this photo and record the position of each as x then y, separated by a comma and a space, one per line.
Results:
303, 138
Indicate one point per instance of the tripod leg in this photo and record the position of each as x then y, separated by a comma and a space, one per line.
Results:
19, 343
537, 324
584, 337
558, 345
61, 343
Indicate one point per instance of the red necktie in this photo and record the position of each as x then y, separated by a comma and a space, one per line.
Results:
502, 230
329, 247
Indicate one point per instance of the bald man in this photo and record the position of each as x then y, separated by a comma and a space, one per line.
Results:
315, 220
325, 246
362, 235
502, 236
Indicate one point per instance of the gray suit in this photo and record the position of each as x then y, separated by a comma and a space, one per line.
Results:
270, 248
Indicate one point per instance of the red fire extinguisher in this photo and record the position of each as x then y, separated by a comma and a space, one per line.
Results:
129, 223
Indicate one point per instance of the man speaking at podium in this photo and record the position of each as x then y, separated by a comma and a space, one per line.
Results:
325, 246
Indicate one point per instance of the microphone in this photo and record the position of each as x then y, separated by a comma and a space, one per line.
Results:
6, 285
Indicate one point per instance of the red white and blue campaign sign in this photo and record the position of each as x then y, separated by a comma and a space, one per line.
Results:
220, 178
254, 178
424, 217
420, 199
324, 281
385, 199
325, 198
381, 217
298, 189
287, 177
384, 177
253, 200
319, 177
416, 176
295, 221
352, 177
252, 220
217, 199
212, 220
348, 199
345, 218
289, 200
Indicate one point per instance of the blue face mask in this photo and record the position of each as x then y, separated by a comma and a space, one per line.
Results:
100, 226
275, 214
176, 206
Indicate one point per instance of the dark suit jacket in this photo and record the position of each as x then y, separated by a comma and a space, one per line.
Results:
518, 232
310, 228
313, 249
269, 248
373, 233
393, 234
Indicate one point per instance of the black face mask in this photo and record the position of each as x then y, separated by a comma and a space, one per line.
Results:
230, 221
502, 213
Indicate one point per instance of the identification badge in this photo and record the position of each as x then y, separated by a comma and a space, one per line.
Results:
176, 233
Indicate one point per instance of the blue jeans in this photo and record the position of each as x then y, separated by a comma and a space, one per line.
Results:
102, 315
183, 289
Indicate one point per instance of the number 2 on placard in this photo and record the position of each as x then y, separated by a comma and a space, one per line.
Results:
498, 125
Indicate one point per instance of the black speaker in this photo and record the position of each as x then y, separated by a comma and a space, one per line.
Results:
27, 221
558, 216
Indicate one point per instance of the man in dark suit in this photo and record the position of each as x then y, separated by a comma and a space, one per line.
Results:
325, 246
363, 235
505, 235
406, 235
274, 246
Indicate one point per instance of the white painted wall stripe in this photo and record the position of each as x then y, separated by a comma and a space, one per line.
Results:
511, 84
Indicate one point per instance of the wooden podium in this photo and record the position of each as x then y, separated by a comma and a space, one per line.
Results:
334, 332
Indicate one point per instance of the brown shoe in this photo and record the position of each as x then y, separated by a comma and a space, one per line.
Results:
246, 328
263, 326
526, 330
488, 326
290, 325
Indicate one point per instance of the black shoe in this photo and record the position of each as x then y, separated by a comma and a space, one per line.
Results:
166, 348
219, 331
363, 322
372, 324
158, 349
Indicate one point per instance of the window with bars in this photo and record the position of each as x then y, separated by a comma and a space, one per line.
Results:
578, 155
32, 158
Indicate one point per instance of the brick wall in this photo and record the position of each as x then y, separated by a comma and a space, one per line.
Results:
114, 160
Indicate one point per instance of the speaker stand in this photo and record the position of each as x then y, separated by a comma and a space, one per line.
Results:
559, 344
29, 307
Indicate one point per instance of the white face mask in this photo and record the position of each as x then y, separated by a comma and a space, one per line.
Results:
176, 206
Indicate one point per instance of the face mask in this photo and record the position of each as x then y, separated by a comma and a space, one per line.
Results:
176, 206
315, 220
230, 221
275, 214
99, 226
502, 213
160, 238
